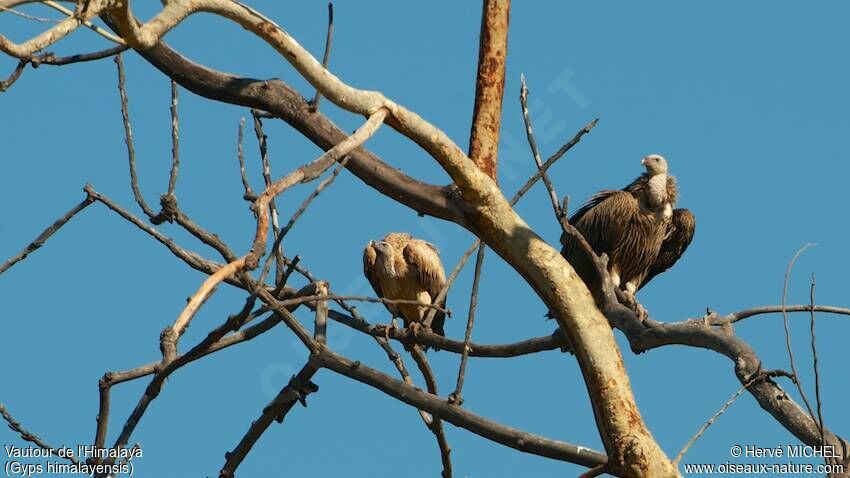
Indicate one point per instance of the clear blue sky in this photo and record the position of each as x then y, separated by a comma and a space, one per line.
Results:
747, 100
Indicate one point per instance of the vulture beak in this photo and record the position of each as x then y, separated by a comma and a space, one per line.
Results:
643, 161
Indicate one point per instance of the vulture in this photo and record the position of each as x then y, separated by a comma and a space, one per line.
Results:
402, 267
637, 227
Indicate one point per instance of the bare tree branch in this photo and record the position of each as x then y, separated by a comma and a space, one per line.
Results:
296, 391
262, 141
714, 417
456, 397
13, 77
797, 380
436, 425
175, 141
314, 103
511, 437
249, 193
27, 436
489, 85
45, 234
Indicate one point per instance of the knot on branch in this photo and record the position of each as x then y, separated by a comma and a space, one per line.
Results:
455, 399
36, 61
169, 210
168, 345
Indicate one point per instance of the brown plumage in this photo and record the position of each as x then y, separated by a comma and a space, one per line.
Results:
636, 227
402, 267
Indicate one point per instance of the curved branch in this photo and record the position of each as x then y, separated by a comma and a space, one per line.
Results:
775, 309
770, 396
282, 101
519, 440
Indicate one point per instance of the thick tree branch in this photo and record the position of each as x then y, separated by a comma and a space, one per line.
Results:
489, 85
459, 416
295, 391
282, 101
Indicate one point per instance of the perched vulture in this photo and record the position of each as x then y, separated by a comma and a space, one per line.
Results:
402, 267
637, 227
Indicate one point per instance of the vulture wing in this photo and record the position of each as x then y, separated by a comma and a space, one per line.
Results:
611, 222
604, 219
680, 232
427, 268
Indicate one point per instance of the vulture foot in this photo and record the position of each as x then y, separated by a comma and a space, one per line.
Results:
632, 303
388, 327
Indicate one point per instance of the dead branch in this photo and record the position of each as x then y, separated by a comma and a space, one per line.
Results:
262, 141
13, 77
797, 380
295, 391
436, 425
456, 397
489, 85
45, 234
314, 103
30, 437
175, 141
249, 193
511, 437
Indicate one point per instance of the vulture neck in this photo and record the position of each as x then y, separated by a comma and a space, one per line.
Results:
387, 265
657, 191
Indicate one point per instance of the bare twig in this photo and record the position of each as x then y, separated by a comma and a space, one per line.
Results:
365, 298
214, 340
321, 187
595, 471
459, 416
189, 257
28, 16
52, 59
704, 427
277, 249
797, 380
552, 160
128, 139
100, 31
249, 193
819, 404
773, 309
456, 397
175, 145
13, 77
396, 359
553, 196
314, 103
30, 437
296, 391
290, 266
449, 281
436, 423
45, 234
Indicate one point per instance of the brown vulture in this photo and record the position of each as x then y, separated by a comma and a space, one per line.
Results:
637, 227
403, 267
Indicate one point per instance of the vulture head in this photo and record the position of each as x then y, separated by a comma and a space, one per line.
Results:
385, 254
655, 164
